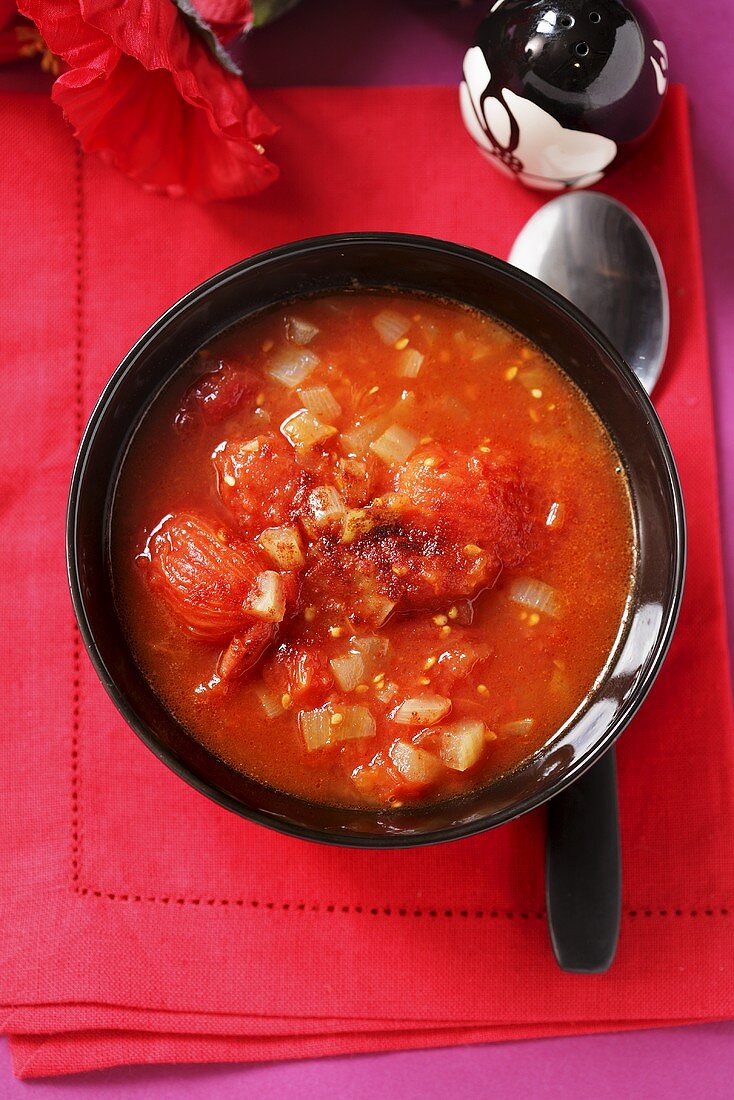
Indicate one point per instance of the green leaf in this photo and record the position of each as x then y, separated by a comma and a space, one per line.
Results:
264, 11
203, 29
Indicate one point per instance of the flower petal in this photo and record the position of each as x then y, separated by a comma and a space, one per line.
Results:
153, 32
150, 133
145, 92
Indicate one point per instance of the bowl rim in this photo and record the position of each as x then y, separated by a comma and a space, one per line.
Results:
586, 759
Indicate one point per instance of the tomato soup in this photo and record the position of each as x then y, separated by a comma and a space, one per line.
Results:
372, 549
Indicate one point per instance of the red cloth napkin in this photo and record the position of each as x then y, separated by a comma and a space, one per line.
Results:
140, 922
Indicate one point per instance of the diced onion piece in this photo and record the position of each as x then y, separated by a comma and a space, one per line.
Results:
387, 692
348, 670
518, 728
390, 325
283, 547
291, 367
324, 508
354, 477
390, 506
299, 331
462, 743
326, 505
320, 401
331, 724
357, 522
369, 604
357, 440
430, 331
422, 710
374, 650
268, 599
315, 727
404, 407
304, 430
358, 722
395, 446
271, 701
534, 378
376, 607
537, 595
410, 363
556, 515
415, 765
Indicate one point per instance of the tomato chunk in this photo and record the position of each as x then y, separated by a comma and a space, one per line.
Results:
245, 650
258, 480
420, 568
300, 671
455, 521
458, 520
477, 499
216, 395
377, 781
205, 576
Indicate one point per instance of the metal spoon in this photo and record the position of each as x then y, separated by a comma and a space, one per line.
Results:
595, 252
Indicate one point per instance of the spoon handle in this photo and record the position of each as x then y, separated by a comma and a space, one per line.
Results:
584, 870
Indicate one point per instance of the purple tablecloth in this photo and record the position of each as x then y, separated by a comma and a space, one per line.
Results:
418, 42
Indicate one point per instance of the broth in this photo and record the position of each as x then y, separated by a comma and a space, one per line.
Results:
372, 549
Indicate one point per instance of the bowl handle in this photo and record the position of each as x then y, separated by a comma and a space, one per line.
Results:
583, 870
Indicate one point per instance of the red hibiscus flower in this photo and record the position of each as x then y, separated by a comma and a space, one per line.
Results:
143, 89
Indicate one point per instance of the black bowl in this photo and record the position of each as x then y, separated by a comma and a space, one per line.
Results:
450, 271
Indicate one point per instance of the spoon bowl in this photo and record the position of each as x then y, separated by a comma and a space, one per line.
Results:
595, 252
